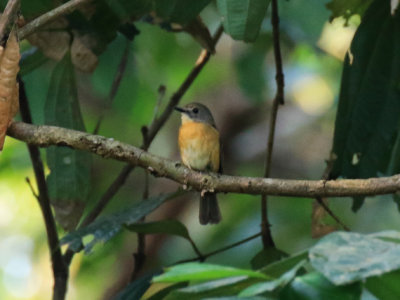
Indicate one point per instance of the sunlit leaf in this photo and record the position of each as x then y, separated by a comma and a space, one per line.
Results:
314, 286
345, 257
201, 271
104, 228
162, 294
242, 18
347, 8
69, 179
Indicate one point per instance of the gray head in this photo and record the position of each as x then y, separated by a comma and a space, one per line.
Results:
196, 112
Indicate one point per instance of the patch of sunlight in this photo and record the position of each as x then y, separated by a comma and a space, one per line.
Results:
336, 38
312, 94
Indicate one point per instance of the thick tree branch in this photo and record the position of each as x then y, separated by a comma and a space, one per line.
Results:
44, 136
46, 18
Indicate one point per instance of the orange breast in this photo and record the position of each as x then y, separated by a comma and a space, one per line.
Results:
199, 146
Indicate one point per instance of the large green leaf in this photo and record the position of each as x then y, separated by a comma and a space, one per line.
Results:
314, 286
136, 289
214, 288
266, 257
179, 11
242, 18
367, 125
269, 286
69, 179
347, 8
367, 139
103, 229
345, 257
386, 286
201, 271
280, 267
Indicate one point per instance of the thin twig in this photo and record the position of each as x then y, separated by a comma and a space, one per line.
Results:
331, 213
52, 15
279, 99
223, 249
323, 202
9, 16
60, 270
115, 85
28, 181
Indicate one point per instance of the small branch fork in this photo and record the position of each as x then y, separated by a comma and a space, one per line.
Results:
278, 100
45, 136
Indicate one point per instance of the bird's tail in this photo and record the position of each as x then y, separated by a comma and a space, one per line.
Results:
209, 209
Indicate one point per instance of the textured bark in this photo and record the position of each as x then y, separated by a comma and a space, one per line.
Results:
44, 136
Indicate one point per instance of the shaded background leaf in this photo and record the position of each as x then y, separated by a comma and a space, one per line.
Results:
108, 226
242, 18
69, 178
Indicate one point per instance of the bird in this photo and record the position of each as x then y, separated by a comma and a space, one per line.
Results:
199, 146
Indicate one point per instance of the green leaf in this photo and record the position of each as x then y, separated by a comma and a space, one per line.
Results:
104, 228
31, 60
201, 271
179, 11
386, 286
345, 257
266, 257
136, 289
314, 286
251, 68
214, 288
172, 227
242, 18
367, 127
161, 295
347, 8
269, 286
278, 268
69, 179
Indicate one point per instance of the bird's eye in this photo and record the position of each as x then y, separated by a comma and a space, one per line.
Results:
195, 110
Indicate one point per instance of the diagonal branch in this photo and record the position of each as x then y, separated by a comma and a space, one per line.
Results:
46, 18
9, 16
45, 136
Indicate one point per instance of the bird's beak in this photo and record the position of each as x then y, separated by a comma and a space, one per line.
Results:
180, 109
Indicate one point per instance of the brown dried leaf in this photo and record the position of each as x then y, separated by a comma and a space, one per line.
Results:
9, 67
318, 227
82, 56
52, 41
15, 101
